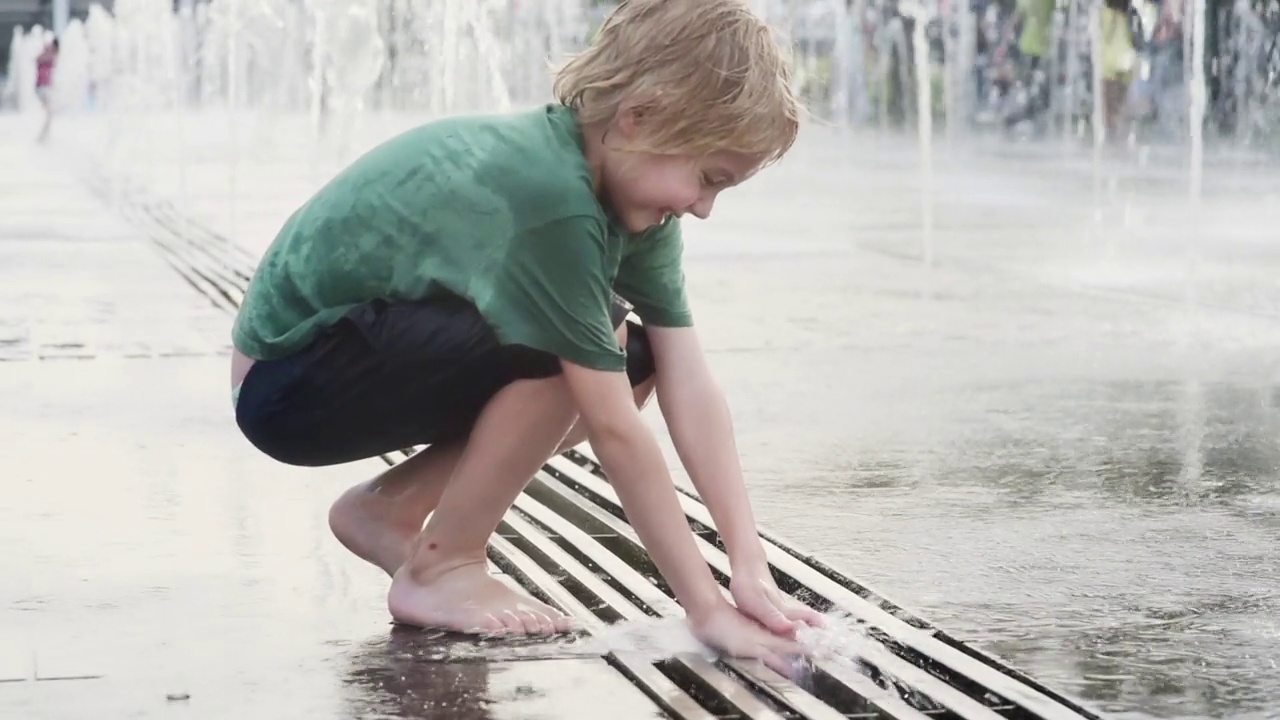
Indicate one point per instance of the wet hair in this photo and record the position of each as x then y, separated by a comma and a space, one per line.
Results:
705, 76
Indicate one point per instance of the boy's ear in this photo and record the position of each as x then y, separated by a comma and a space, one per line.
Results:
630, 119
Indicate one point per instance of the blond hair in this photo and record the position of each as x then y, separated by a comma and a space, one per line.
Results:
707, 74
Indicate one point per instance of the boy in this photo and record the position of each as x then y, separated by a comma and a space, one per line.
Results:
455, 288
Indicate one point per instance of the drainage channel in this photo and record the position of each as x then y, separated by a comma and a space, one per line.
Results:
567, 541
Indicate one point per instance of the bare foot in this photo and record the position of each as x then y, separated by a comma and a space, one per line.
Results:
369, 526
467, 599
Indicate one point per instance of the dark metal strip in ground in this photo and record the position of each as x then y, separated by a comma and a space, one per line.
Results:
217, 269
729, 692
926, 689
909, 676
209, 269
642, 586
200, 281
643, 674
583, 456
207, 283
236, 259
225, 272
921, 641
607, 599
785, 692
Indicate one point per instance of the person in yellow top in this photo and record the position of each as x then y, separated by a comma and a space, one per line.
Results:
1037, 28
1118, 58
1034, 39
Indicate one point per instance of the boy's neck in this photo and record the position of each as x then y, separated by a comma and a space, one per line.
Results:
593, 148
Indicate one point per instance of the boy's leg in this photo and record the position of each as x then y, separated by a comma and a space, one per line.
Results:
446, 583
378, 520
578, 433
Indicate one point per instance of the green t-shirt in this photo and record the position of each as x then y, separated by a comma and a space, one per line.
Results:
496, 209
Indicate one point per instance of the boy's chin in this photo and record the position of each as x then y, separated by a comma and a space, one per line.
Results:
641, 221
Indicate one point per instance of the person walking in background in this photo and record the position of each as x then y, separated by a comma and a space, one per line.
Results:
1168, 86
1119, 56
46, 62
1034, 21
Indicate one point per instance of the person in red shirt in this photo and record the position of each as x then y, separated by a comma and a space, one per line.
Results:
45, 64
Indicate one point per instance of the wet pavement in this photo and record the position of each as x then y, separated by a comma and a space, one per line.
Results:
1048, 424
1057, 438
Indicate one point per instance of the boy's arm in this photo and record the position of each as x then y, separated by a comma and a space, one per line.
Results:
636, 469
632, 459
697, 416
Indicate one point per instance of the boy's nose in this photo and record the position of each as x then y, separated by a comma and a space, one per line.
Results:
702, 208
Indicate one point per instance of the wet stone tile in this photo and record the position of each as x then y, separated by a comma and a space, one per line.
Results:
14, 348
65, 664
15, 663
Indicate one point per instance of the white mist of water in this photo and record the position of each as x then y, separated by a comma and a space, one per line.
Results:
924, 126
960, 54
21, 83
654, 639
1198, 95
924, 119
1096, 60
1071, 24
841, 640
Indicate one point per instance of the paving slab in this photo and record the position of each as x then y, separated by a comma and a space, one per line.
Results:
79, 282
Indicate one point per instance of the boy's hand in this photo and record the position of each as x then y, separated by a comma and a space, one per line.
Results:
757, 596
727, 630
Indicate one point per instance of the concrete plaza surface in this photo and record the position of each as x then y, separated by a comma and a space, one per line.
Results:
1046, 419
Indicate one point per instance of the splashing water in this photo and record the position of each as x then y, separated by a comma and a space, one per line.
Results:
841, 640
651, 639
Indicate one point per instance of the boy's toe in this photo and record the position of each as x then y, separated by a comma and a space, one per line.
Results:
546, 625
514, 622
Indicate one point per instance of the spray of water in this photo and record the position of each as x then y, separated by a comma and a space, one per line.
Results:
841, 640
655, 639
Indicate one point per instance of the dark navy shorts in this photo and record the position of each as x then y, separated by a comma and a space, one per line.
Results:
389, 376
